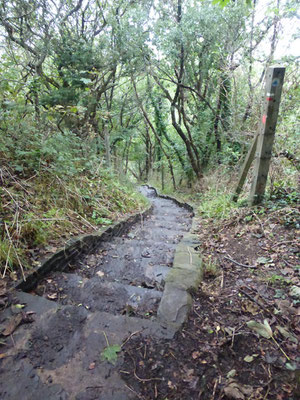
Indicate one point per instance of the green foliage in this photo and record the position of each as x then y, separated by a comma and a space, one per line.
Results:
224, 3
278, 280
99, 220
7, 254
110, 353
215, 201
211, 269
231, 153
61, 96
217, 206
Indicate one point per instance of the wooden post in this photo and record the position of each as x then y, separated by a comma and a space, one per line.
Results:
245, 168
274, 82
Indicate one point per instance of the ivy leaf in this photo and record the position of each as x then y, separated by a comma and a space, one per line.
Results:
110, 353
263, 260
263, 330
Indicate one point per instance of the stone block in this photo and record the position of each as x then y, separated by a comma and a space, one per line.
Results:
174, 306
183, 278
189, 259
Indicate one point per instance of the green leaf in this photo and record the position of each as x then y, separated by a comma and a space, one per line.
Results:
19, 306
263, 330
110, 353
73, 109
263, 260
231, 373
249, 359
291, 366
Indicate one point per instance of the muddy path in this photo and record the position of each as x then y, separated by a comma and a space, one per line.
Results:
102, 299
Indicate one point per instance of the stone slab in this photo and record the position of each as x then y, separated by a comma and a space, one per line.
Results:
183, 278
174, 306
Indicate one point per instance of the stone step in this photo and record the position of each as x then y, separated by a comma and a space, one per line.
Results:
98, 294
135, 250
134, 241
168, 226
161, 236
61, 356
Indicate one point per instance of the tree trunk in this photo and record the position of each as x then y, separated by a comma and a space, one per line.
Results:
107, 147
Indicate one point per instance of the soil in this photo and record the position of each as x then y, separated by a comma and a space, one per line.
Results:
251, 266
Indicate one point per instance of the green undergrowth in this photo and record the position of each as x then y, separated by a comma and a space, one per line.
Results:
215, 200
39, 208
212, 196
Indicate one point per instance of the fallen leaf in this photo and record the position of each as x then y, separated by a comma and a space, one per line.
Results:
170, 385
285, 333
3, 288
110, 353
285, 307
12, 325
263, 330
291, 366
249, 359
287, 271
100, 273
13, 276
250, 307
92, 365
271, 358
231, 373
52, 296
235, 390
263, 260
295, 292
233, 393
195, 354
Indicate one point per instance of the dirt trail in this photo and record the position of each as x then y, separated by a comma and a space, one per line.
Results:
105, 297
